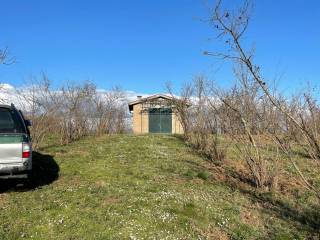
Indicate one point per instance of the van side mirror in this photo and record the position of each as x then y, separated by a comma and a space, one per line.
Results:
28, 123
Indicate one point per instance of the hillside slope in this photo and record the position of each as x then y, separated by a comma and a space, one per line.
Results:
137, 187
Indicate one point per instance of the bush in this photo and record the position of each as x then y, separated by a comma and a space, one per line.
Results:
203, 175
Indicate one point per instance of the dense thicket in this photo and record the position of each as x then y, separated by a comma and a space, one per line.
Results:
73, 111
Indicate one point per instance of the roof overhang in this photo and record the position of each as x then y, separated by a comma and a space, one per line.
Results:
149, 98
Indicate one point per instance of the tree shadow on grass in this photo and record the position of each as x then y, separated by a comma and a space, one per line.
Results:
302, 218
45, 171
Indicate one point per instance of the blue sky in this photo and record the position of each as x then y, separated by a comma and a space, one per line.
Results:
140, 45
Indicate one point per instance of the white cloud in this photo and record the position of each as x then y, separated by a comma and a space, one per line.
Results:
131, 95
8, 94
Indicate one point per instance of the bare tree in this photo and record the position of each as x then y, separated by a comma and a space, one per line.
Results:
71, 112
6, 60
74, 115
110, 112
41, 105
5, 57
199, 119
230, 27
244, 120
181, 105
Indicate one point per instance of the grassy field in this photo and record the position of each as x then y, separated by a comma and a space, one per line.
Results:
146, 187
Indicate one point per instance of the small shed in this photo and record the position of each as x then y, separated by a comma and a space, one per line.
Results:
155, 114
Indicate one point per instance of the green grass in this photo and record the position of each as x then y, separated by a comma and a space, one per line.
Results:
143, 187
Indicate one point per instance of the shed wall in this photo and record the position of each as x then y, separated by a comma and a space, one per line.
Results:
141, 121
176, 125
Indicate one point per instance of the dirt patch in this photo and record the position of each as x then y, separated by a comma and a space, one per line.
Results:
110, 200
197, 181
3, 199
74, 181
218, 174
250, 217
213, 233
216, 234
179, 181
100, 183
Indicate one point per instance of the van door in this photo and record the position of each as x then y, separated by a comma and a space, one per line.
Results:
12, 136
11, 149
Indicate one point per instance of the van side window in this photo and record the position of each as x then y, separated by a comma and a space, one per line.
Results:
10, 122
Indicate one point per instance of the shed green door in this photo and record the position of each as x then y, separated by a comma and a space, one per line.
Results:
160, 120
